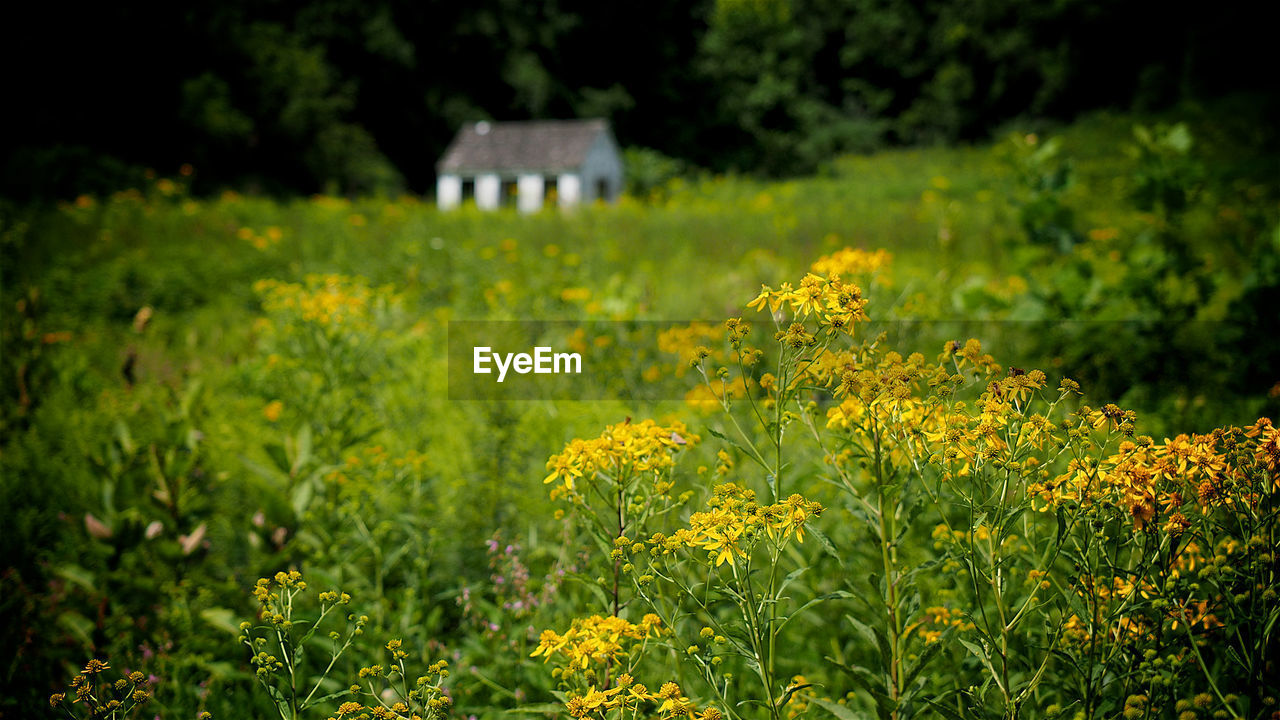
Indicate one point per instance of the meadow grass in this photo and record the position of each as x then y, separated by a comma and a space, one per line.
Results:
151, 380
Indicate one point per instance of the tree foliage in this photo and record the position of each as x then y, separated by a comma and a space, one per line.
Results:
362, 97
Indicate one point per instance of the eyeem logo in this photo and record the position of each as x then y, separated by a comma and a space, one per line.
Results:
573, 360
543, 361
648, 361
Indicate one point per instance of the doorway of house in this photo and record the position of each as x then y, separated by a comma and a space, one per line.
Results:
550, 191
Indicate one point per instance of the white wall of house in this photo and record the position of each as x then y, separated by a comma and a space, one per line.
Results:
599, 178
488, 191
568, 190
603, 162
448, 192
529, 191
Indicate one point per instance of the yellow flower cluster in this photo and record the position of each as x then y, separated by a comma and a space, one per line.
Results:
375, 467
1106, 599
596, 639
632, 696
836, 304
269, 237
394, 695
621, 451
734, 522
936, 620
273, 410
970, 356
876, 377
395, 711
710, 397
961, 438
1266, 438
693, 343
889, 383
267, 597
101, 696
1167, 480
327, 300
852, 261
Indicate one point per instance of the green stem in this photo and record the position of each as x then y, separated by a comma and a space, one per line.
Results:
889, 562
752, 616
1205, 669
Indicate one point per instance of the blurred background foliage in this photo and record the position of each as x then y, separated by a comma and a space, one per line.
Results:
358, 97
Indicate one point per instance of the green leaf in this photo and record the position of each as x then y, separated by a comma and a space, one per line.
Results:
340, 693
826, 544
946, 710
77, 626
273, 478
929, 653
221, 618
740, 448
874, 685
276, 452
811, 603
123, 438
593, 586
77, 575
282, 704
985, 657
189, 397
301, 497
873, 580
222, 670
302, 450
718, 434
839, 711
912, 605
1179, 138
925, 566
790, 577
1013, 518
792, 690
393, 557
863, 629
978, 521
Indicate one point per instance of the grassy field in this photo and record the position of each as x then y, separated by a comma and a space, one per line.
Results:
204, 391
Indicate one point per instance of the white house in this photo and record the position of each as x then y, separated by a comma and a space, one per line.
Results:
497, 163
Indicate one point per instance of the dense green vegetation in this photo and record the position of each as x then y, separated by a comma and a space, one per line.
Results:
359, 97
179, 419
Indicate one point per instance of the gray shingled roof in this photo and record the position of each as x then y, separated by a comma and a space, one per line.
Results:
540, 145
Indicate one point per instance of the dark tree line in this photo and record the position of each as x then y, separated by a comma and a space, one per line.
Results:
362, 95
